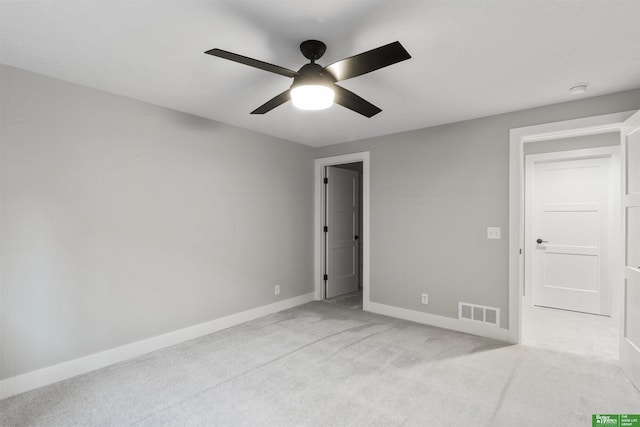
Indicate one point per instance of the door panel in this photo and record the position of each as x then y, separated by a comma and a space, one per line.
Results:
342, 223
633, 229
578, 227
570, 183
571, 214
633, 163
630, 336
632, 302
571, 271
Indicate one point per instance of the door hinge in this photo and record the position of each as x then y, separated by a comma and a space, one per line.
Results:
520, 251
326, 228
325, 277
326, 180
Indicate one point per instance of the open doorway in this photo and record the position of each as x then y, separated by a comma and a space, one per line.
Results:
571, 239
342, 229
343, 235
626, 257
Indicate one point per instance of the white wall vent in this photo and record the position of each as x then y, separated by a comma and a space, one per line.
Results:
479, 313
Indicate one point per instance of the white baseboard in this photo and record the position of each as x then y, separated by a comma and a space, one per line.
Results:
469, 327
52, 374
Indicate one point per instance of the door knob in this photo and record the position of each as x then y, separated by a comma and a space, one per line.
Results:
356, 237
539, 241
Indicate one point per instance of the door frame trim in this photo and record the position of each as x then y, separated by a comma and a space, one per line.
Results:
517, 138
612, 153
318, 215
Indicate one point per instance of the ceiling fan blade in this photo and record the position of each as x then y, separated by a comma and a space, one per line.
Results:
368, 61
350, 100
274, 102
252, 62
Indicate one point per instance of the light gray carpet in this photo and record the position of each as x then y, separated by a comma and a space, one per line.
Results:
570, 332
333, 365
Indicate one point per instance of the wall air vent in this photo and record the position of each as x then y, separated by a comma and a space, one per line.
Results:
479, 313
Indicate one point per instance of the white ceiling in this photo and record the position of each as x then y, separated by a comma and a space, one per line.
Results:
470, 58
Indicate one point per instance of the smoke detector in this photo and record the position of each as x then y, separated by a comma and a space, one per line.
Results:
578, 89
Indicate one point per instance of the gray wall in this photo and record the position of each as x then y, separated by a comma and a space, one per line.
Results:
435, 191
121, 220
574, 143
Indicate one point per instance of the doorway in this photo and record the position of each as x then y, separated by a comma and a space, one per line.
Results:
571, 235
343, 231
626, 284
342, 227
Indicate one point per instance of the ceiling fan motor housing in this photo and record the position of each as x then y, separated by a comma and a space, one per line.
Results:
312, 74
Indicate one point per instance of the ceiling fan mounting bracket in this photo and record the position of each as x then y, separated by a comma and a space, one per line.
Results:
313, 49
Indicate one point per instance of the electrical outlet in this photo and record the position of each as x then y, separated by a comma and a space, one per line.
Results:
276, 289
425, 299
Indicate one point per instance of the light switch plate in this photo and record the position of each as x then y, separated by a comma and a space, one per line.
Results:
493, 232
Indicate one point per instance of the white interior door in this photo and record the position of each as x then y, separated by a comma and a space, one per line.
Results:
630, 333
342, 231
569, 242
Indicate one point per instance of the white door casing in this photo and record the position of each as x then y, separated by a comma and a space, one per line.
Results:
630, 322
319, 252
569, 206
342, 219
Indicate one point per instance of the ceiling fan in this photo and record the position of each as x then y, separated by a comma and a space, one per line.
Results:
314, 87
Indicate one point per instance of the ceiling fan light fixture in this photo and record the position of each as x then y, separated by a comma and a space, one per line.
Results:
314, 86
312, 97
